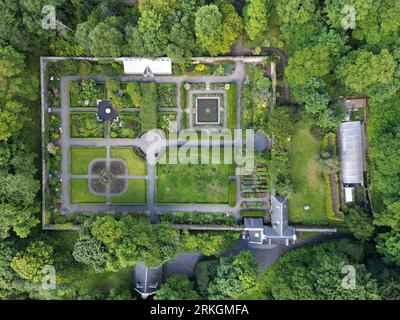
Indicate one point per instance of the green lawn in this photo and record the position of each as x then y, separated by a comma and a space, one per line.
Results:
193, 183
136, 165
80, 158
80, 193
307, 178
136, 193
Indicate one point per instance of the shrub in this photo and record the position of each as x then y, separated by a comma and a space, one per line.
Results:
205, 272
116, 94
85, 125
167, 95
200, 67
133, 90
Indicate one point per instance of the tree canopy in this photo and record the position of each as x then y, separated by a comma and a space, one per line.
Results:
177, 287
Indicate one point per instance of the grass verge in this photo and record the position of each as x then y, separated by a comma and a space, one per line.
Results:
307, 177
136, 192
80, 193
136, 165
80, 158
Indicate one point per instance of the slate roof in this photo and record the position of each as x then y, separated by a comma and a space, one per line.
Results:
105, 111
255, 228
279, 214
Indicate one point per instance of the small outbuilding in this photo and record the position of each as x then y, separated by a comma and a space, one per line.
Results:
255, 229
106, 112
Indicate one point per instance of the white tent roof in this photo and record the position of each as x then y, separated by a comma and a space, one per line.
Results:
351, 152
138, 65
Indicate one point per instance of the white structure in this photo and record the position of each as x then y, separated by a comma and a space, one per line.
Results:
349, 194
159, 66
351, 140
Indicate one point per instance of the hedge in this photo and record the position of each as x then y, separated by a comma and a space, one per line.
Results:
148, 106
232, 193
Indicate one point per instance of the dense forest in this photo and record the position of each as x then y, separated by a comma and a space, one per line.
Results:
325, 61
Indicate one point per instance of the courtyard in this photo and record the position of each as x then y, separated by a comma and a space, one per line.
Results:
102, 149
98, 161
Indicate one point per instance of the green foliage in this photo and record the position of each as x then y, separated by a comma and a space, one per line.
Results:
377, 22
209, 244
85, 93
383, 132
18, 91
256, 14
232, 193
308, 63
279, 170
103, 39
177, 287
195, 218
362, 69
148, 106
167, 95
17, 193
299, 21
217, 27
21, 24
315, 273
128, 127
235, 276
107, 230
28, 264
255, 97
7, 274
85, 125
388, 244
129, 242
133, 91
116, 94
205, 272
89, 251
359, 222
